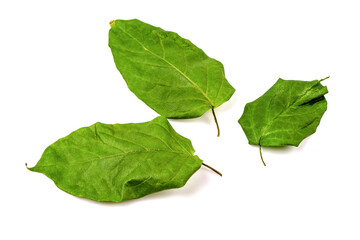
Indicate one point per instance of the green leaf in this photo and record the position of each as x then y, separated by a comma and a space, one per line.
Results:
167, 72
118, 162
286, 114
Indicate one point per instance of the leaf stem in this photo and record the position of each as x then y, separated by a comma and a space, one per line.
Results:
213, 169
261, 156
217, 125
323, 79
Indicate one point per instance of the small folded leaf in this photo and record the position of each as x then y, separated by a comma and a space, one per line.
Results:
167, 72
118, 162
286, 114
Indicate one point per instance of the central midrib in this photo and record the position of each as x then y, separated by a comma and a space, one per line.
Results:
277, 116
170, 64
119, 154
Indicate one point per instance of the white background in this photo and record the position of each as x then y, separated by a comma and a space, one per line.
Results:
57, 75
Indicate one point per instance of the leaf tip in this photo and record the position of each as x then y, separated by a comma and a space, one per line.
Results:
29, 168
111, 22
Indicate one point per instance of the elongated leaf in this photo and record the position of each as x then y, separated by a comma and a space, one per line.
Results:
167, 72
286, 114
117, 162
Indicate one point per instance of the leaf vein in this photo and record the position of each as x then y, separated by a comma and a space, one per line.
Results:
112, 156
169, 63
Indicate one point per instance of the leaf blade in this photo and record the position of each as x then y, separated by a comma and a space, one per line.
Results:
93, 163
286, 114
159, 65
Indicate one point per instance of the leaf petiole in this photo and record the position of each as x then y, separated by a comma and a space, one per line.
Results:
261, 156
213, 169
217, 125
323, 79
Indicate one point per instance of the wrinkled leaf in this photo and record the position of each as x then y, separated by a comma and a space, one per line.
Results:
167, 72
117, 162
286, 114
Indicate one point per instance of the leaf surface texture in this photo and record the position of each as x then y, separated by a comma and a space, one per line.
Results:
106, 162
167, 72
287, 113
